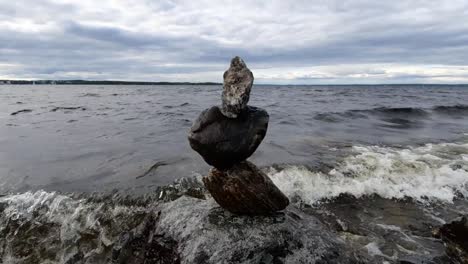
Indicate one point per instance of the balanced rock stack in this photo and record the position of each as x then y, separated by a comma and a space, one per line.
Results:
225, 137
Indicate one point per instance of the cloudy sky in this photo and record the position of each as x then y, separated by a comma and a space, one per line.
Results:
296, 42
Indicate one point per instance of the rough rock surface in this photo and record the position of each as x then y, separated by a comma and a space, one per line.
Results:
238, 80
208, 234
222, 141
44, 227
53, 228
455, 237
245, 189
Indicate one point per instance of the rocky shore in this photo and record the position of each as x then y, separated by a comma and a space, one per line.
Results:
181, 224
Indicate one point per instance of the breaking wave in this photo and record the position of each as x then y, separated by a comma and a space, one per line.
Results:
427, 173
51, 227
409, 113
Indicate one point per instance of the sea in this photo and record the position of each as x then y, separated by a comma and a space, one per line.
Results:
380, 166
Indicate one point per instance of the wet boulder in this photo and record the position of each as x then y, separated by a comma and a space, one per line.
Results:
223, 141
207, 234
245, 189
455, 237
238, 80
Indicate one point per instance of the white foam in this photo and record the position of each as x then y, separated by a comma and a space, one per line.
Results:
373, 249
430, 172
73, 216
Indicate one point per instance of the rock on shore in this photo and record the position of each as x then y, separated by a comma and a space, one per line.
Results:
245, 189
455, 237
207, 234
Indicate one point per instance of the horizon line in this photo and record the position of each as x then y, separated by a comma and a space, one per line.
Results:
119, 82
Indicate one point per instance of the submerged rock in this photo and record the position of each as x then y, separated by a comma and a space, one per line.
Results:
143, 245
44, 227
222, 141
238, 80
53, 228
208, 234
245, 189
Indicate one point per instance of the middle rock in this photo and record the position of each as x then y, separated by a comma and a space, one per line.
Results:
223, 141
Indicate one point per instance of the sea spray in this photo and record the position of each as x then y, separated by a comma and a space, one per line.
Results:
427, 173
43, 227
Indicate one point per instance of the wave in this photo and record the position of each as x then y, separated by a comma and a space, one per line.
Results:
433, 172
428, 172
394, 113
406, 111
51, 227
48, 227
454, 109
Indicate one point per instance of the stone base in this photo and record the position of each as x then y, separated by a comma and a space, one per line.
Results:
245, 189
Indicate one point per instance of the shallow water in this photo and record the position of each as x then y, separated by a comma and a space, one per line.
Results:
379, 165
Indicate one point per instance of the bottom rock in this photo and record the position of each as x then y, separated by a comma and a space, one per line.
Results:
245, 189
207, 234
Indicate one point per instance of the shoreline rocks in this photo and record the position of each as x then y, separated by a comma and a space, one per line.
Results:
225, 137
207, 234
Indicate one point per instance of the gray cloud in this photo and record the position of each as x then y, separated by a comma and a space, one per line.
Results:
283, 42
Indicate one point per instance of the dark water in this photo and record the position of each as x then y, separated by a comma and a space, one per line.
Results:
397, 155
119, 132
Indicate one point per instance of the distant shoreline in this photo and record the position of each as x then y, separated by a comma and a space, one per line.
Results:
110, 82
84, 82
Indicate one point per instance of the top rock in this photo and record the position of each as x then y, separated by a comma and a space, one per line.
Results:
238, 80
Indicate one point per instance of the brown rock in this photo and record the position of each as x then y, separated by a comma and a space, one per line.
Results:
245, 189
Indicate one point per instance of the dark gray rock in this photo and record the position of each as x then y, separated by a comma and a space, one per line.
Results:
223, 141
208, 234
245, 189
455, 237
187, 230
238, 80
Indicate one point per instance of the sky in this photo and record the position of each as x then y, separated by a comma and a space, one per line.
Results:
282, 42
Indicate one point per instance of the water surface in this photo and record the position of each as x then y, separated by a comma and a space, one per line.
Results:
95, 138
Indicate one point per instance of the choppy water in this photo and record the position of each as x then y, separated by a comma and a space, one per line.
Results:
398, 155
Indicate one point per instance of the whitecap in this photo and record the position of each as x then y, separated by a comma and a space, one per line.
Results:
427, 173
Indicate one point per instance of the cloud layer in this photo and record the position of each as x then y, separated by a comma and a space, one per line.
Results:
310, 42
